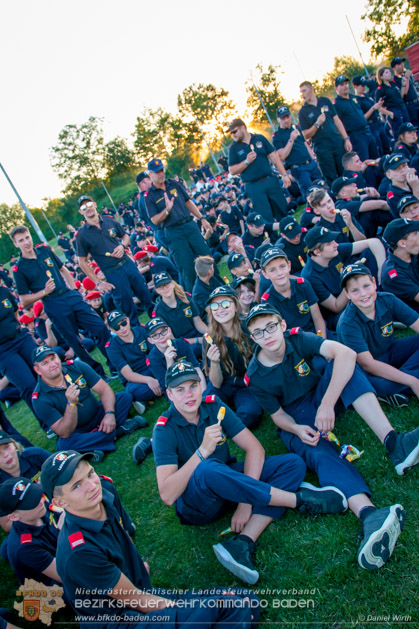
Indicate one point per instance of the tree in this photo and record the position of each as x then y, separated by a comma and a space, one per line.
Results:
152, 134
78, 156
118, 157
342, 65
267, 84
384, 15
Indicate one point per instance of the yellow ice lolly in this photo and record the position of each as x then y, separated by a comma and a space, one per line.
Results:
49, 275
208, 338
266, 235
169, 342
301, 261
225, 278
221, 413
108, 254
362, 260
68, 378
335, 211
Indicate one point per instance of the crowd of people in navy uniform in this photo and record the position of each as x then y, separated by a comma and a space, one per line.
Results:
304, 326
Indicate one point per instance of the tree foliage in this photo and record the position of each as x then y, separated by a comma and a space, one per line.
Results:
152, 134
384, 15
267, 83
117, 157
342, 65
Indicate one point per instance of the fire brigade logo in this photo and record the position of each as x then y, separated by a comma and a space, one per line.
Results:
188, 312
6, 303
302, 368
38, 601
303, 308
387, 329
112, 232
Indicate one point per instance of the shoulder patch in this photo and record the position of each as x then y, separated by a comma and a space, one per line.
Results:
186, 293
265, 297
392, 274
76, 539
308, 209
14, 269
35, 395
300, 280
295, 330
161, 421
107, 344
250, 246
153, 314
209, 399
390, 194
246, 379
106, 477
304, 229
147, 362
400, 146
26, 538
69, 362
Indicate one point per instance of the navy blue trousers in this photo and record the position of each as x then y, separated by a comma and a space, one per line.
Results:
404, 355
128, 282
16, 364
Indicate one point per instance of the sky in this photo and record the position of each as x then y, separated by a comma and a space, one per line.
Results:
65, 61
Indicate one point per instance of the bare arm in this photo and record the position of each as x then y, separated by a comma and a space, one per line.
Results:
318, 321
200, 325
68, 278
51, 571
132, 376
277, 162
126, 591
336, 304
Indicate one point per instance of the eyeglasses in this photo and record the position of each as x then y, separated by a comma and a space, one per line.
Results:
158, 335
122, 324
270, 329
89, 204
224, 304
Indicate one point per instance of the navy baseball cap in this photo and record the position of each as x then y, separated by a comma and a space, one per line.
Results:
162, 278
283, 111
180, 372
255, 219
240, 280
353, 269
289, 226
398, 229
156, 165
59, 468
396, 160
341, 79
406, 126
83, 198
396, 61
317, 235
340, 183
5, 438
261, 309
40, 352
271, 254
320, 184
358, 79
234, 259
114, 318
155, 324
405, 201
142, 175
19, 494
222, 291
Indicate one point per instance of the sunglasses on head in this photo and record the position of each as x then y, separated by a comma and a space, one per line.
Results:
223, 304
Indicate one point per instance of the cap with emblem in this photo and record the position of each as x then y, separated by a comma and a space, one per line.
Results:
341, 79
317, 235
156, 165
353, 269
405, 127
399, 229
5, 438
59, 468
234, 260
340, 183
320, 184
241, 280
114, 318
19, 494
162, 278
404, 202
289, 226
282, 111
222, 291
396, 60
358, 80
139, 178
261, 309
154, 324
255, 219
260, 251
396, 160
41, 352
271, 254
83, 198
180, 372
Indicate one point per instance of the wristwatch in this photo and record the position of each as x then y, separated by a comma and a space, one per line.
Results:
316, 124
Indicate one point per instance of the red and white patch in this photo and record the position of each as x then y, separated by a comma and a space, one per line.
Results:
14, 269
295, 330
76, 539
304, 230
392, 274
69, 362
300, 280
107, 344
106, 477
246, 379
390, 195
26, 538
147, 362
209, 399
35, 395
265, 297
162, 420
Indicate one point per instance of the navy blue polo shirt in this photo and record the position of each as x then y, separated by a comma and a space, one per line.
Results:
256, 241
31, 273
92, 555
390, 94
350, 112
406, 150
160, 264
175, 439
306, 218
352, 205
284, 383
9, 326
326, 280
201, 291
294, 252
99, 240
232, 219
132, 354
64, 242
31, 549
401, 278
411, 94
5, 277
156, 360
339, 225
41, 331
30, 463
155, 202
261, 167
327, 133
234, 379
296, 308
366, 102
50, 403
299, 153
394, 194
180, 319
362, 334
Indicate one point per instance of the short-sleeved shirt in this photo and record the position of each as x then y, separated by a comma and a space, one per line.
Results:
327, 133
180, 319
362, 334
261, 166
390, 94
350, 112
50, 403
201, 291
162, 264
352, 205
9, 326
175, 439
306, 218
100, 240
256, 241
132, 354
408, 150
401, 278
234, 379
366, 102
92, 554
411, 94
326, 280
155, 202
394, 195
295, 253
285, 383
299, 153
339, 225
30, 462
156, 360
31, 274
64, 242
31, 549
296, 308
232, 219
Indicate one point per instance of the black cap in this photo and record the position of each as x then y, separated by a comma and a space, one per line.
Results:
255, 219
241, 280
142, 175
260, 251
341, 79
114, 318
398, 229
406, 126
5, 438
289, 226
405, 201
359, 79
234, 259
318, 234
396, 160
59, 468
154, 324
231, 233
320, 184
396, 61
83, 198
19, 493
155, 165
282, 111
180, 372
271, 254
261, 309
340, 183
161, 278
222, 291
40, 352
60, 233
353, 269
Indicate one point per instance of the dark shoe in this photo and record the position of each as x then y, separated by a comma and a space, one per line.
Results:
98, 456
398, 400
51, 434
238, 556
406, 451
380, 531
130, 426
141, 449
316, 500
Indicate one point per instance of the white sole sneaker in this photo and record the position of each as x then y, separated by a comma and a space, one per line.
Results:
139, 407
377, 549
228, 561
327, 487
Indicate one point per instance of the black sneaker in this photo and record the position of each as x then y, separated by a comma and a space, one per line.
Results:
316, 500
406, 451
130, 426
237, 556
51, 434
398, 400
380, 531
141, 449
98, 456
